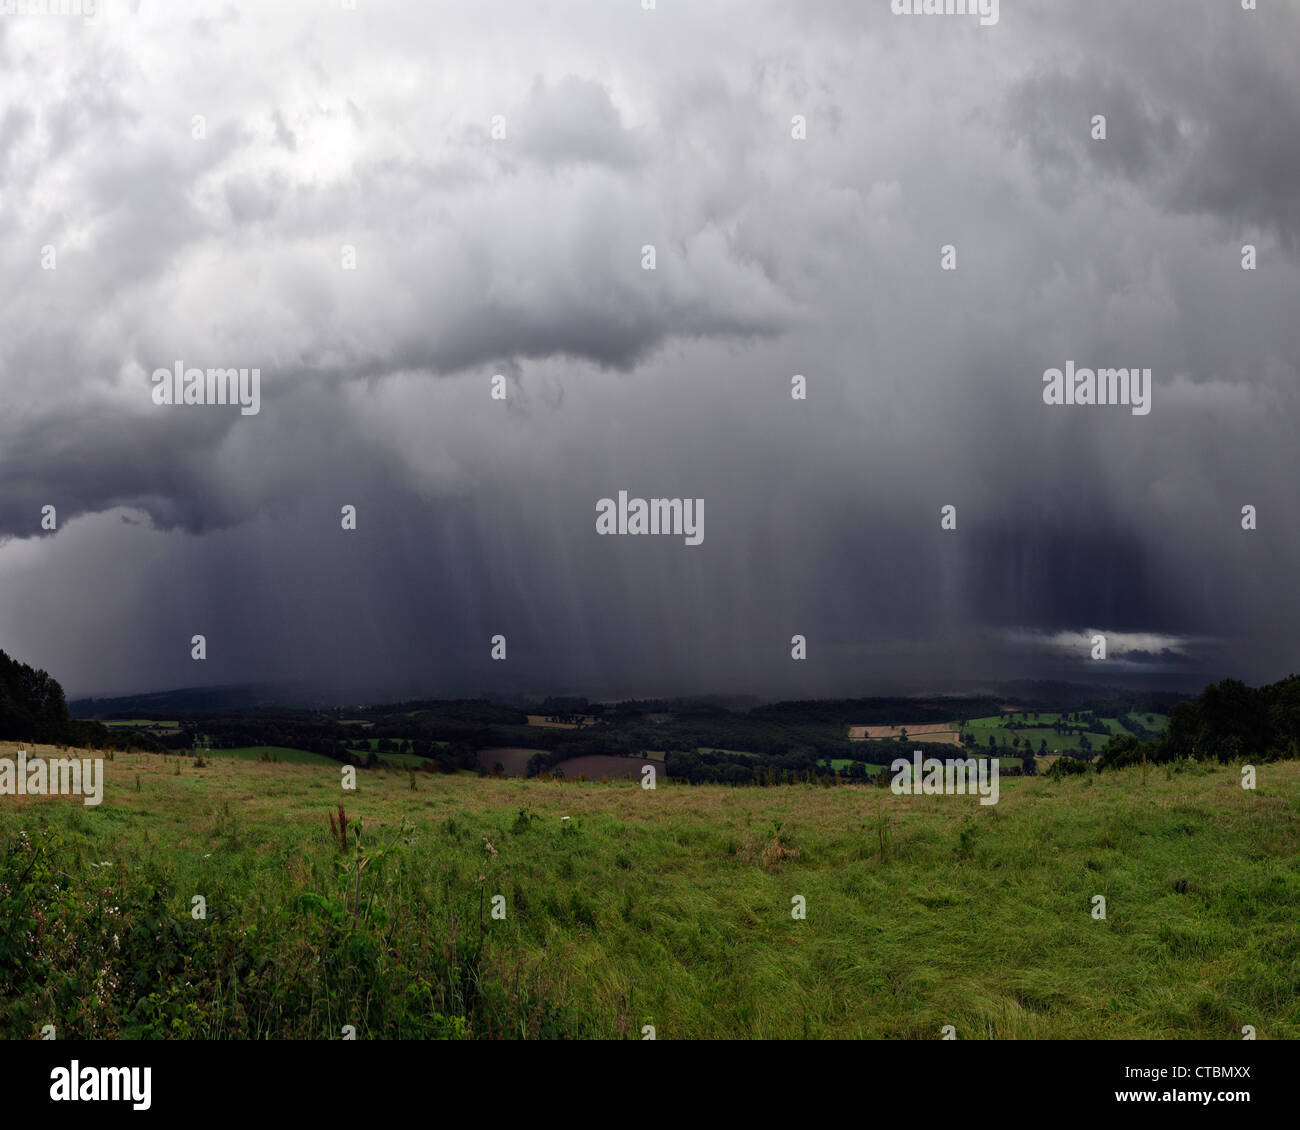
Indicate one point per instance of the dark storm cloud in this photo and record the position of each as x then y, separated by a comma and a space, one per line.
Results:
1202, 102
522, 255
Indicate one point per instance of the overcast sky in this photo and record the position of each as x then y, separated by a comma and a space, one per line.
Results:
521, 255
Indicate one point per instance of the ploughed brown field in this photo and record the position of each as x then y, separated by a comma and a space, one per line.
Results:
924, 731
601, 767
512, 760
594, 767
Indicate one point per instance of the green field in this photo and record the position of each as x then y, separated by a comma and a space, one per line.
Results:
669, 908
1057, 742
136, 723
279, 752
402, 760
1156, 722
842, 763
983, 727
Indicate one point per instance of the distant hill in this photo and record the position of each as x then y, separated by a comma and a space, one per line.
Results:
930, 706
235, 696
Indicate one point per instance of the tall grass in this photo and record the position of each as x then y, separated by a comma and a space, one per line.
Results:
668, 907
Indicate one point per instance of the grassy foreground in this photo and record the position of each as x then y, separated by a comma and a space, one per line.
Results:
669, 908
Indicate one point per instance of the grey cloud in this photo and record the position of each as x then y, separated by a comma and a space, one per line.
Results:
1203, 107
775, 257
574, 121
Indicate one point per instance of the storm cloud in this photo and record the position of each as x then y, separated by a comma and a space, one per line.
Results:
383, 209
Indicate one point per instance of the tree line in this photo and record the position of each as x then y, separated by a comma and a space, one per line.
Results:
33, 709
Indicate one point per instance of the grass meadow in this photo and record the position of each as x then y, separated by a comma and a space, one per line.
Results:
669, 908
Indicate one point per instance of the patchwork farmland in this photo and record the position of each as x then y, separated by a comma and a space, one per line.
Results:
943, 732
1054, 732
